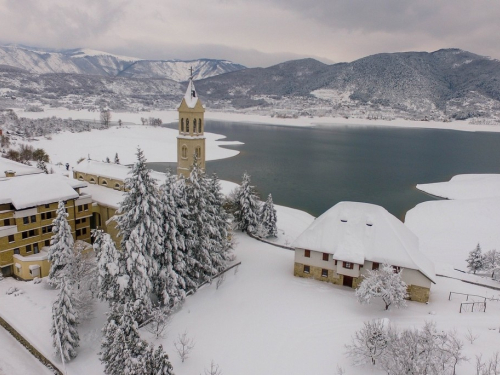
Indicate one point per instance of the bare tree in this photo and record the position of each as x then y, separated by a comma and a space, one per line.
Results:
214, 369
105, 117
184, 345
159, 321
469, 336
370, 343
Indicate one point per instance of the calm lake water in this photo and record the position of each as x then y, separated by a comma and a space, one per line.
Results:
314, 168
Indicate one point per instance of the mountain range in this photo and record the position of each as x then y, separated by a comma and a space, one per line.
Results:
445, 84
87, 61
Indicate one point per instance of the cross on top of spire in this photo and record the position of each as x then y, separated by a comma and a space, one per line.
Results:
191, 76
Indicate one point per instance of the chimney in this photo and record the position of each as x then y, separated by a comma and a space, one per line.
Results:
10, 173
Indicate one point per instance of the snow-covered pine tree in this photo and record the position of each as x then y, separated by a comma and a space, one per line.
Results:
200, 266
117, 159
61, 251
475, 261
108, 267
219, 235
268, 218
246, 204
134, 282
160, 363
65, 338
384, 283
171, 282
40, 164
141, 213
122, 350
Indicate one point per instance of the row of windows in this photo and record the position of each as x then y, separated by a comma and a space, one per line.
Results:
348, 265
197, 151
324, 272
32, 248
194, 125
78, 221
48, 215
81, 232
83, 207
47, 229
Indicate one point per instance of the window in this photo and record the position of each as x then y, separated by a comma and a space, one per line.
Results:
47, 229
194, 125
187, 125
33, 218
92, 180
16, 251
84, 230
325, 256
86, 206
77, 221
11, 238
80, 177
105, 183
184, 151
117, 186
35, 248
324, 273
80, 208
307, 253
198, 152
335, 262
24, 235
78, 232
47, 243
84, 220
28, 248
182, 125
199, 125
46, 215
6, 222
348, 265
26, 220
375, 266
396, 269
32, 233
307, 269
48, 205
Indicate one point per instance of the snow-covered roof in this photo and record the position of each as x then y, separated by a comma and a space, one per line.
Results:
104, 196
191, 97
355, 232
34, 190
20, 169
111, 170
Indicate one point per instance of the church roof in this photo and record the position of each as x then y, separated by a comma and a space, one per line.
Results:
191, 96
355, 232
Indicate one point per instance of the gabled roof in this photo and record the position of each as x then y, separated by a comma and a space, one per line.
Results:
355, 232
34, 190
20, 169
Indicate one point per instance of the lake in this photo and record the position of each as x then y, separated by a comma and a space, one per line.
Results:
312, 169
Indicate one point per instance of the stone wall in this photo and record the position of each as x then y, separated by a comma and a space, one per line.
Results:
418, 293
315, 273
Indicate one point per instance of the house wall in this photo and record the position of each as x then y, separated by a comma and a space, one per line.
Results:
418, 285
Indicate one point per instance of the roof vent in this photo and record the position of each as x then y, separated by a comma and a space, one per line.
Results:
10, 173
343, 220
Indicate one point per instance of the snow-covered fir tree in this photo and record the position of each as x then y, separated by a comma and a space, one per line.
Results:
383, 283
108, 268
122, 349
172, 262
65, 338
246, 206
141, 214
40, 164
476, 260
134, 282
268, 218
219, 225
117, 159
61, 251
200, 246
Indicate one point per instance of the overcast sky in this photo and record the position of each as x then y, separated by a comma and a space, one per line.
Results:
254, 32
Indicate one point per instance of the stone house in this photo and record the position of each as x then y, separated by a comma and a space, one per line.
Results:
351, 238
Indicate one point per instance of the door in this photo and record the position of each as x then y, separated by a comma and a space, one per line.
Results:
347, 281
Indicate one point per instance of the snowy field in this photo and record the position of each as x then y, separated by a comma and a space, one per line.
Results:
263, 320
169, 116
449, 229
159, 145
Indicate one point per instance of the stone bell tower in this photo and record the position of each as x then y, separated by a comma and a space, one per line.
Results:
191, 138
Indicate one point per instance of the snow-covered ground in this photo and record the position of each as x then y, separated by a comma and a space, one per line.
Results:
262, 319
169, 116
449, 229
158, 143
16, 360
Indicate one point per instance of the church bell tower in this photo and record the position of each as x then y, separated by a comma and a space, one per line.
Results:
191, 138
